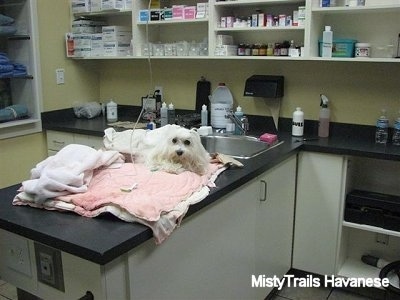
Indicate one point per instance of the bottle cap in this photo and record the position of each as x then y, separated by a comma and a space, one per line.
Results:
164, 105
298, 108
221, 84
327, 28
238, 108
204, 107
171, 106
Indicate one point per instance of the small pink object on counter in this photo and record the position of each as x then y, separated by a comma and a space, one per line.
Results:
269, 138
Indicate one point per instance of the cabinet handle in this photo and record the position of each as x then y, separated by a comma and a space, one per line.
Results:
59, 143
263, 190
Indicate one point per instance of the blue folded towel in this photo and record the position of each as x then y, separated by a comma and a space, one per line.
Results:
19, 70
13, 112
6, 20
7, 30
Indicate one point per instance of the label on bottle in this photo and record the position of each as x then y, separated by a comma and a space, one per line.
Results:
218, 113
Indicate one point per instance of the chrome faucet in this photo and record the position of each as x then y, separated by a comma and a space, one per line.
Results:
242, 124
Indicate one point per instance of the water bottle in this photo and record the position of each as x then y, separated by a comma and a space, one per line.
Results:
382, 126
239, 114
204, 115
171, 114
221, 104
164, 114
298, 122
396, 132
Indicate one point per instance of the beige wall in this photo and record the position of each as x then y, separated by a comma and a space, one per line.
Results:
357, 90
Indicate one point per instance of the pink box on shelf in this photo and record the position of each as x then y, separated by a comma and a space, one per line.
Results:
177, 11
189, 12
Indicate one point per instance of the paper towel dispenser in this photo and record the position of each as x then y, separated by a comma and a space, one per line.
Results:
267, 86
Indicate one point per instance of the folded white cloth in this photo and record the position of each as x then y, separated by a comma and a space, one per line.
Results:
69, 171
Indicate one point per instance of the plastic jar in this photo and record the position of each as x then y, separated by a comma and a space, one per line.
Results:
362, 50
221, 103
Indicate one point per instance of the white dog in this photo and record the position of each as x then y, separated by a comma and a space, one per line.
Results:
170, 148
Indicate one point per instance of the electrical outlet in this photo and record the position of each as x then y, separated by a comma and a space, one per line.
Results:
382, 238
60, 76
49, 266
18, 255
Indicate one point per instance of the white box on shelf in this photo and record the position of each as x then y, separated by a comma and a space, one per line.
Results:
226, 50
112, 4
117, 33
128, 4
381, 2
116, 48
82, 40
80, 6
95, 5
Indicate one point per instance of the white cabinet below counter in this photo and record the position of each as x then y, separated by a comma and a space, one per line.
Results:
56, 140
212, 255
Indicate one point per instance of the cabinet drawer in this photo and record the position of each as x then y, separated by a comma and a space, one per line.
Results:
57, 140
95, 142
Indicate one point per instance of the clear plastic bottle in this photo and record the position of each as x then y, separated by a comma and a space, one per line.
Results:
171, 114
164, 114
239, 114
382, 126
204, 115
324, 116
396, 132
298, 122
221, 103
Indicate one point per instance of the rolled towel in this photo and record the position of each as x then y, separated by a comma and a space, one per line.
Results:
19, 70
6, 20
13, 112
7, 30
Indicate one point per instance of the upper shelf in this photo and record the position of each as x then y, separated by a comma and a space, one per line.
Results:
108, 12
357, 9
257, 2
178, 21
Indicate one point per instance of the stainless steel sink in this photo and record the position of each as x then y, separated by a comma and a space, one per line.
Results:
237, 146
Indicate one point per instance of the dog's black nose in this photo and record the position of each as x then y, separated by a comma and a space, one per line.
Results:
179, 152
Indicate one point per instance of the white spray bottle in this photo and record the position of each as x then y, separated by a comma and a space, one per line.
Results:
324, 117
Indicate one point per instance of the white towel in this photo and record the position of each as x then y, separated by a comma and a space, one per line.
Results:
69, 171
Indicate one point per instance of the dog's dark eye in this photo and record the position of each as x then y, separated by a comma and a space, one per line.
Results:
174, 140
187, 142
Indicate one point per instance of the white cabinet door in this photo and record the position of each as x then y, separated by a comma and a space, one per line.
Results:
320, 190
216, 251
274, 221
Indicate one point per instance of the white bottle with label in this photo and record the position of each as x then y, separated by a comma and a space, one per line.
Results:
171, 114
327, 42
163, 114
221, 104
298, 122
324, 117
204, 115
112, 111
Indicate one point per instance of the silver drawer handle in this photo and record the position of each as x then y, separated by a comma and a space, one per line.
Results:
263, 190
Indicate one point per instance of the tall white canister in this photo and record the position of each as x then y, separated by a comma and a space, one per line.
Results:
221, 103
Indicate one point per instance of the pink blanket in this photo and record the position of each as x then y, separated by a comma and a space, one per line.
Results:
160, 200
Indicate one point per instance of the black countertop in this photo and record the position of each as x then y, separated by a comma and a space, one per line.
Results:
106, 237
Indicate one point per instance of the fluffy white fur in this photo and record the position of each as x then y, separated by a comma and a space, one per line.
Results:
170, 148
